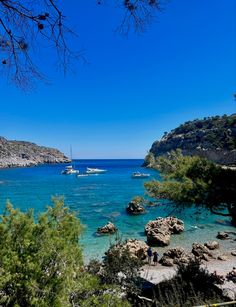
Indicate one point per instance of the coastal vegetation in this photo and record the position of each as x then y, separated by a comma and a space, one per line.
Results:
41, 262
192, 180
192, 285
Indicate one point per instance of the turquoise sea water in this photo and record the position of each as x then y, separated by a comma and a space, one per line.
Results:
101, 198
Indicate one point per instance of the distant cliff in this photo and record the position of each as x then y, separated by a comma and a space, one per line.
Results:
213, 138
20, 153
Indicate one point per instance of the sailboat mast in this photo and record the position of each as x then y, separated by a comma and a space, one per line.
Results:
70, 152
71, 155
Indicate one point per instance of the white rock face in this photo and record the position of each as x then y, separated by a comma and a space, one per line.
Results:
20, 154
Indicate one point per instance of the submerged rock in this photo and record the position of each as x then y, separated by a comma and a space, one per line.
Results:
222, 235
159, 231
135, 208
109, 228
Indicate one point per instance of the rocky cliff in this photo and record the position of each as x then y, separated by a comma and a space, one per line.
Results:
213, 138
20, 153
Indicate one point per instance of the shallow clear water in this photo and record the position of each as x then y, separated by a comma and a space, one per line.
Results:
101, 198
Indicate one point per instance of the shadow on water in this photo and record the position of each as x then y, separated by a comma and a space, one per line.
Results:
223, 222
141, 234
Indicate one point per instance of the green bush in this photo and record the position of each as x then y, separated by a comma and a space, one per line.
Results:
41, 262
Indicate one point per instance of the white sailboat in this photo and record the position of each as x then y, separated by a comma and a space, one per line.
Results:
69, 170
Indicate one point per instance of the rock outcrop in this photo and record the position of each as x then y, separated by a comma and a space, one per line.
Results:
226, 235
212, 138
21, 154
212, 245
159, 231
175, 256
109, 228
135, 208
201, 252
222, 235
136, 248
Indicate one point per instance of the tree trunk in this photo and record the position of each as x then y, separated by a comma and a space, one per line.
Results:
233, 215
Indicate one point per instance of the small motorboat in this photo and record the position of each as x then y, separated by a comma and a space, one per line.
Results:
90, 170
69, 170
138, 175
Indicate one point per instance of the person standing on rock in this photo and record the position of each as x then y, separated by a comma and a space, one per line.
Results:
155, 258
149, 254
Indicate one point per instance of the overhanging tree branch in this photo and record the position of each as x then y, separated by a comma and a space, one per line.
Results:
219, 213
26, 23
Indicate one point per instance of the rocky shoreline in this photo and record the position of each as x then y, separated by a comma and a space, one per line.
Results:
213, 256
159, 273
25, 154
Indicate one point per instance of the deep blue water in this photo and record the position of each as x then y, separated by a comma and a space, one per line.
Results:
99, 199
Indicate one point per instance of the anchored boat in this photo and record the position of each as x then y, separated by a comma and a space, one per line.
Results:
90, 170
138, 175
69, 170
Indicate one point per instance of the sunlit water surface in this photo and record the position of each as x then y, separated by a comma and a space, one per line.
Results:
102, 198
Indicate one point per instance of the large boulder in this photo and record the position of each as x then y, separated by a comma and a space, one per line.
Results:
165, 261
109, 228
135, 208
175, 256
201, 252
136, 248
159, 231
212, 245
158, 237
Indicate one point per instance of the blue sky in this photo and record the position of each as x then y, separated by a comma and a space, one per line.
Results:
134, 88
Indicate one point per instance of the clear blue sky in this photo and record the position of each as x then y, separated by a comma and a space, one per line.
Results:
134, 88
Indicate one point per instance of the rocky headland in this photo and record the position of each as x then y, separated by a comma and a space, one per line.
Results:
22, 154
213, 138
